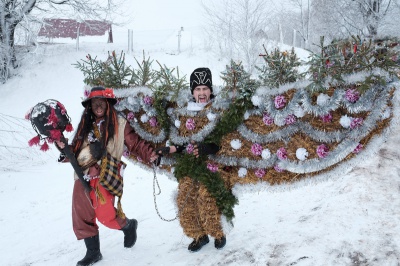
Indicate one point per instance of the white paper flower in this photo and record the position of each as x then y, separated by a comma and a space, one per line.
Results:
236, 144
242, 172
177, 123
386, 113
301, 154
266, 154
345, 121
211, 116
256, 100
246, 115
322, 99
144, 118
299, 112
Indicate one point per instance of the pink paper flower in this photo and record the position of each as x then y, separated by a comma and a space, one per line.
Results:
290, 119
190, 148
148, 100
212, 167
126, 153
356, 122
256, 149
281, 153
153, 121
322, 151
267, 119
326, 118
280, 101
260, 173
139, 159
190, 124
358, 148
352, 95
278, 169
130, 116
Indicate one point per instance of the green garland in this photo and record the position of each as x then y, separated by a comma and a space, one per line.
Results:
195, 168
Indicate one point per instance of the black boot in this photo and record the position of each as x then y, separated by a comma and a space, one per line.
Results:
130, 233
93, 254
220, 243
196, 245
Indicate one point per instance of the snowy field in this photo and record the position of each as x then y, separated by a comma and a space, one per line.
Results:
350, 216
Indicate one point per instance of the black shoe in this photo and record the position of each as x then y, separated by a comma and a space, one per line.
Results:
93, 254
220, 243
130, 233
196, 245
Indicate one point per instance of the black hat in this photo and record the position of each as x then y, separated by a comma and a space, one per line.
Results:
100, 92
201, 76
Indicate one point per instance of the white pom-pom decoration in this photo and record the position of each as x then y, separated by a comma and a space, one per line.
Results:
256, 100
301, 154
131, 100
172, 169
386, 113
266, 154
144, 118
177, 123
242, 172
246, 115
211, 116
345, 121
236, 144
299, 112
322, 99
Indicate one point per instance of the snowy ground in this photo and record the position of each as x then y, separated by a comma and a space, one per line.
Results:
347, 217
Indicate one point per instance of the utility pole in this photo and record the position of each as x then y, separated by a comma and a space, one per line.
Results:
179, 40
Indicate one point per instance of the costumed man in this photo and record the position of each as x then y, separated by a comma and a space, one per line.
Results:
198, 213
98, 145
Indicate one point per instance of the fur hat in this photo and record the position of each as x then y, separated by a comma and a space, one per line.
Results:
100, 92
201, 76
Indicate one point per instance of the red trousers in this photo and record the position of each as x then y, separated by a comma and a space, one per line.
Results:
86, 207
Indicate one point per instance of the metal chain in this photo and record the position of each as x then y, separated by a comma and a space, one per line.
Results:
159, 192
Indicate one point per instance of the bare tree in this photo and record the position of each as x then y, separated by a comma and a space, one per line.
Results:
13, 12
238, 27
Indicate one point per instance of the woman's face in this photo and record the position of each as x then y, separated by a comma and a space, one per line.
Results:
202, 94
99, 107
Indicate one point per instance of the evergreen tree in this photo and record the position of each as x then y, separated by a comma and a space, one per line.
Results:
237, 82
280, 68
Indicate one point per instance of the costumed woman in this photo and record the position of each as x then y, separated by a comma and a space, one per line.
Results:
98, 145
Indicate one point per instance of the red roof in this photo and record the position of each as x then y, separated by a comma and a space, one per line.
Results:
64, 28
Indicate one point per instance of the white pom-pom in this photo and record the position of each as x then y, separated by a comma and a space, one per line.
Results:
301, 154
322, 99
246, 115
299, 112
211, 116
172, 169
386, 113
266, 154
144, 118
345, 121
242, 172
236, 144
256, 100
168, 143
177, 123
131, 100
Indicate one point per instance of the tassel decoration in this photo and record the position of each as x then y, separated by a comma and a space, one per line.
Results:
44, 147
55, 134
34, 141
69, 128
52, 119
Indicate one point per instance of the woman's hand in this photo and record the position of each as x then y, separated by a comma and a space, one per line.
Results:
60, 144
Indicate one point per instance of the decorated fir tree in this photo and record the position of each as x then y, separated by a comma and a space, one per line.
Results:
280, 68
